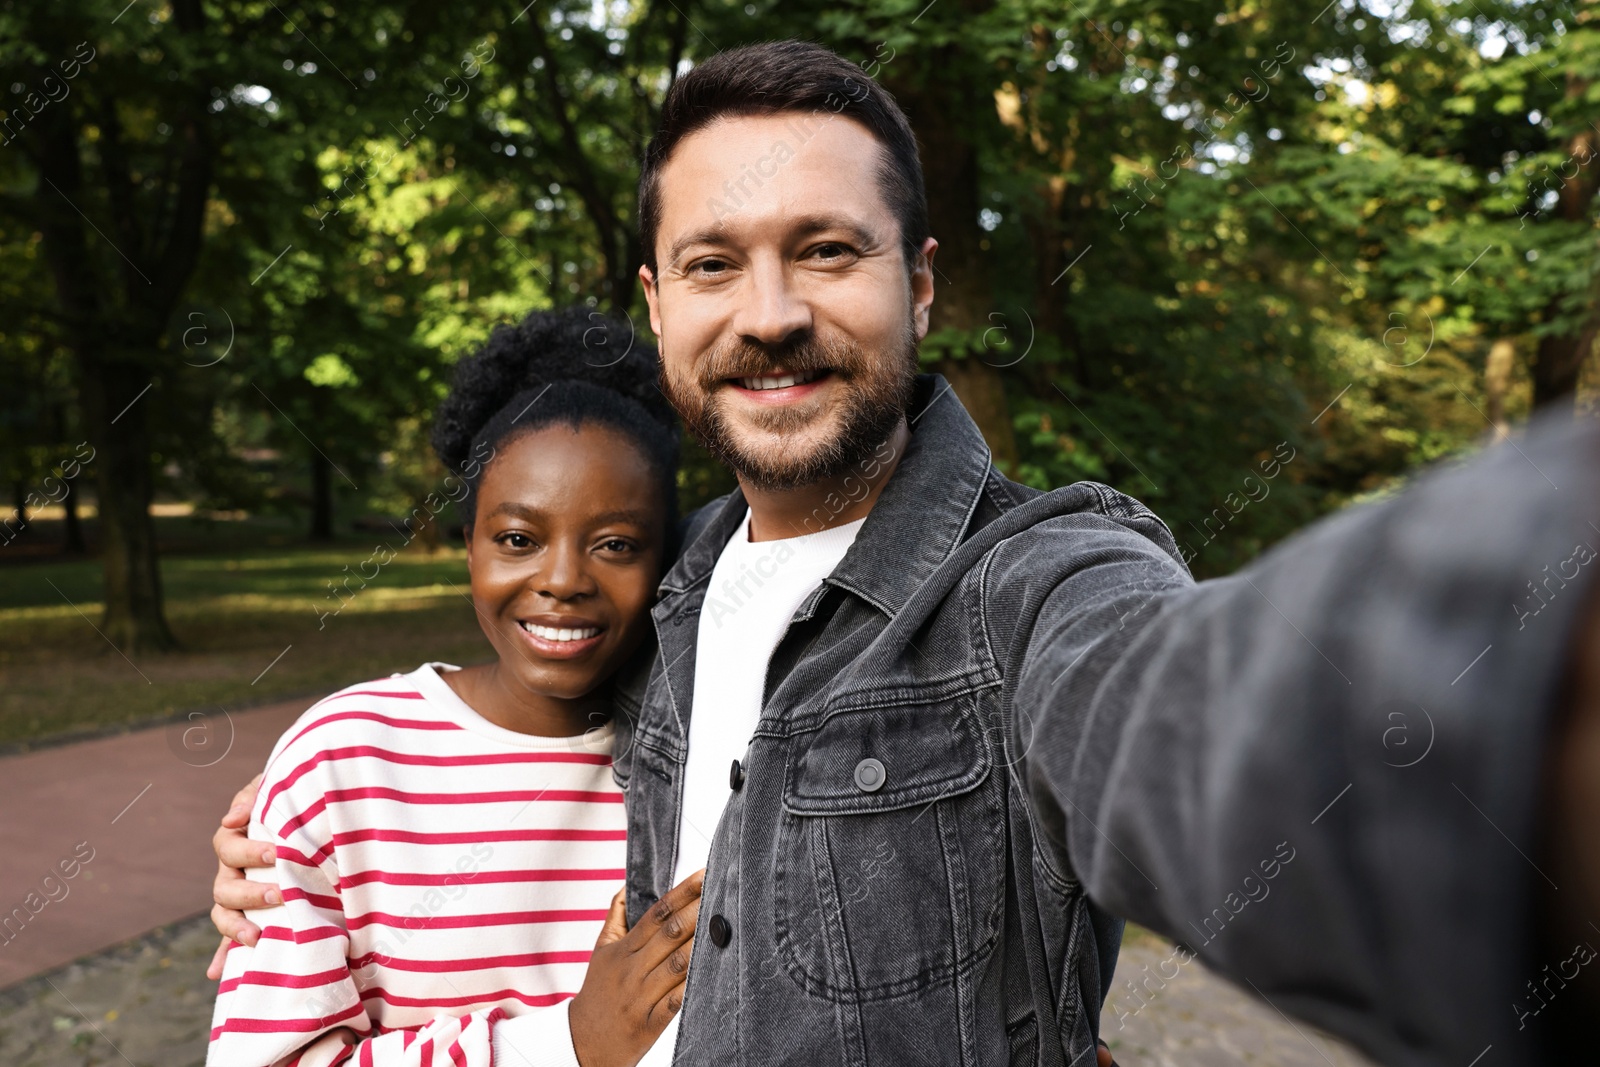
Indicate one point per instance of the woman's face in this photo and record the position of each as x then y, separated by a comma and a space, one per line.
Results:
565, 552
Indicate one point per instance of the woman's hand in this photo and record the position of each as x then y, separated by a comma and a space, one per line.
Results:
635, 981
232, 892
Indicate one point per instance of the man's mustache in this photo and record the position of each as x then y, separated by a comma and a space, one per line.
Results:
746, 359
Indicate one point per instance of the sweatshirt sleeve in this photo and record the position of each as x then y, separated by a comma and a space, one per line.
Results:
1322, 774
295, 998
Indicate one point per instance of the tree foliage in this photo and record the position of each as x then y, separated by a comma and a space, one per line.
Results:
1180, 242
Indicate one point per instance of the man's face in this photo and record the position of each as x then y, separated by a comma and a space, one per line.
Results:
787, 315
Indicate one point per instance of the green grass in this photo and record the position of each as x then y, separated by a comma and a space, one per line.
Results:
235, 609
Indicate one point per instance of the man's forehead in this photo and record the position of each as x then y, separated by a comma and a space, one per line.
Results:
793, 166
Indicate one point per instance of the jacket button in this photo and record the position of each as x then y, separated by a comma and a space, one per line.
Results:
736, 775
721, 931
869, 775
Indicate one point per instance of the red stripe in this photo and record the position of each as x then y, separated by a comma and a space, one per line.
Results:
315, 899
300, 937
351, 837
528, 959
284, 1026
426, 1056
588, 796
461, 922
386, 755
313, 810
469, 838
458, 1055
553, 874
540, 1000
285, 981
366, 1054
373, 716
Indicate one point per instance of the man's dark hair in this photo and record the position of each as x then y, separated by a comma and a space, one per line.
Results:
571, 366
778, 76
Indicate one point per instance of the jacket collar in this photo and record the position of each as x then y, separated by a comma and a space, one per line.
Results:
918, 520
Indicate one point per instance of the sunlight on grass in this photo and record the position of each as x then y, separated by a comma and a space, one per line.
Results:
252, 628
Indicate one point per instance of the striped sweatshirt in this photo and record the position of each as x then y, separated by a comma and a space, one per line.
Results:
440, 874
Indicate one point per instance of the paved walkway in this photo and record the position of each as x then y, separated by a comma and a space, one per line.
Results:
107, 839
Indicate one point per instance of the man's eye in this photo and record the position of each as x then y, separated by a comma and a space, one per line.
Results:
617, 544
832, 252
710, 267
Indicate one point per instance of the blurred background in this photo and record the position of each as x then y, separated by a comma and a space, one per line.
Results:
1248, 260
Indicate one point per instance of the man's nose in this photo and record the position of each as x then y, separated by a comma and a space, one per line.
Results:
774, 311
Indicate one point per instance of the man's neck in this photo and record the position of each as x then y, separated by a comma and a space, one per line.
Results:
829, 503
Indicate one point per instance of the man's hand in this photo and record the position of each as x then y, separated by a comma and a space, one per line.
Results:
635, 981
232, 892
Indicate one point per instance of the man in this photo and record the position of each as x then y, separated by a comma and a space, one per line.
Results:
914, 717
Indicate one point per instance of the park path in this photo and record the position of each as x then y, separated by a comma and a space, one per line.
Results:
130, 818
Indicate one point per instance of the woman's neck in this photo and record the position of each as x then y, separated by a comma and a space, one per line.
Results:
495, 695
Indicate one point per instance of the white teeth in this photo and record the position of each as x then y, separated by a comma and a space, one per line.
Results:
551, 633
783, 381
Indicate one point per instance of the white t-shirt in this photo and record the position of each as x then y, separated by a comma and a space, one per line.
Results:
755, 589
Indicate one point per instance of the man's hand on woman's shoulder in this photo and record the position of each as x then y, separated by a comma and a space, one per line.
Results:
232, 892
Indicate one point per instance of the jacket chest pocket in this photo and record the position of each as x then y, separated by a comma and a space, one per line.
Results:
890, 871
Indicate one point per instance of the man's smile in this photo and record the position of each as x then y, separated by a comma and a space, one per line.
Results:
780, 388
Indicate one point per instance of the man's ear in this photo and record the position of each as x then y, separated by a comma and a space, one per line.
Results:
652, 297
922, 286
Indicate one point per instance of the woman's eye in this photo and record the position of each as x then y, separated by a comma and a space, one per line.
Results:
516, 540
617, 544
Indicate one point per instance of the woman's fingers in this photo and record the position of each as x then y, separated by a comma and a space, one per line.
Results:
666, 1006
218, 958
670, 973
615, 927
668, 924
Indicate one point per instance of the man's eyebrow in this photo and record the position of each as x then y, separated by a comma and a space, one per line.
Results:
859, 233
708, 235
804, 225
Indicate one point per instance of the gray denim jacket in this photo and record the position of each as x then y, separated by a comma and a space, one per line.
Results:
1001, 697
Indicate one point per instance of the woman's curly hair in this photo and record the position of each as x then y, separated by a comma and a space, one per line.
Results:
571, 365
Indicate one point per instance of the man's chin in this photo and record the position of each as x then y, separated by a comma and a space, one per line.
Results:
778, 461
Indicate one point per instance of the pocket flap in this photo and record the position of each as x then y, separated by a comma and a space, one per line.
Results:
867, 760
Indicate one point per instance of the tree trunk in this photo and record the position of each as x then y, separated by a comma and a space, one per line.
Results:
1560, 362
941, 115
115, 416
1560, 358
72, 526
19, 507
1497, 383
321, 498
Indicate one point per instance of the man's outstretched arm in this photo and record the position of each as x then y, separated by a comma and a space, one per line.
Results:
1360, 776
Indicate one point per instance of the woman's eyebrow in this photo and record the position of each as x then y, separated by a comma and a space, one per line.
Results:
517, 510
637, 516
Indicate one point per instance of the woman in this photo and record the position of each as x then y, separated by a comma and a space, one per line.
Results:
447, 841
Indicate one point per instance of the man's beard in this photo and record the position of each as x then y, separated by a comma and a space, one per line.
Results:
877, 389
